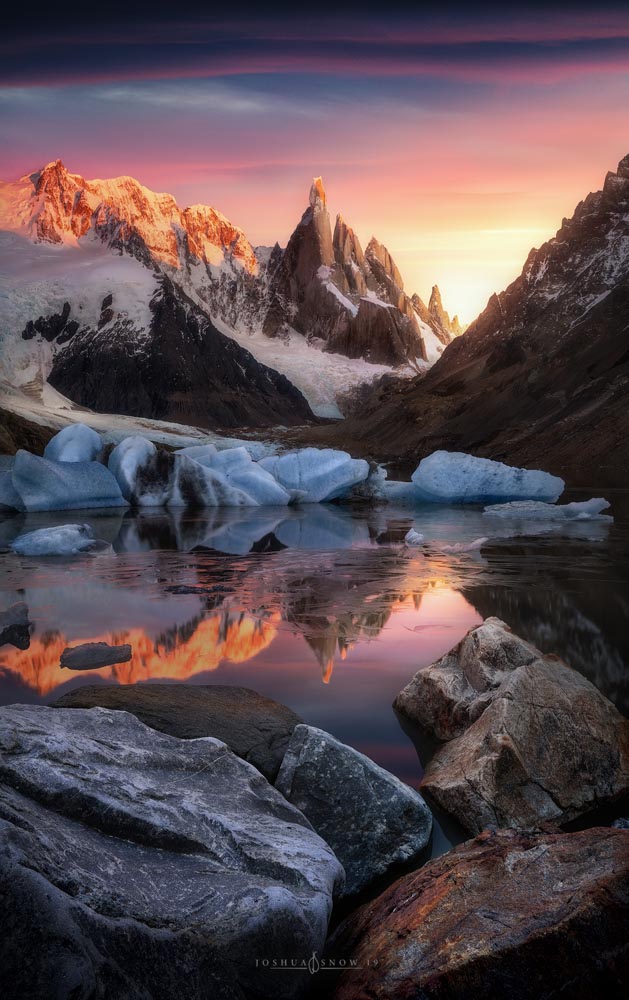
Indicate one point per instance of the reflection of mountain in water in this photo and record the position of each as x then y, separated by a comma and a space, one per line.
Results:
580, 617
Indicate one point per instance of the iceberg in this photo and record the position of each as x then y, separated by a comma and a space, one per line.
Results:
142, 473
64, 540
199, 452
454, 477
318, 474
239, 470
195, 486
45, 485
413, 537
75, 443
533, 510
9, 498
396, 491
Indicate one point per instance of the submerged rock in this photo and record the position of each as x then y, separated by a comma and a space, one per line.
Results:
15, 626
532, 741
75, 443
455, 477
93, 655
132, 862
370, 818
255, 728
508, 916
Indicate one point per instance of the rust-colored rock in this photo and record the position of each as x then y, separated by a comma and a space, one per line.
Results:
506, 916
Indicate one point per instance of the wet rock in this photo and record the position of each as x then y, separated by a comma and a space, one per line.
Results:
132, 862
15, 626
92, 655
255, 728
507, 916
547, 748
371, 820
446, 697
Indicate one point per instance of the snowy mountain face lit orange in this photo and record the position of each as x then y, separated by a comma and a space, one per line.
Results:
216, 639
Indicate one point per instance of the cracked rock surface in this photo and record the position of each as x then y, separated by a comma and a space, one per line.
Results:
508, 915
134, 864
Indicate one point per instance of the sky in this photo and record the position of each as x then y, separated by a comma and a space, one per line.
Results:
459, 135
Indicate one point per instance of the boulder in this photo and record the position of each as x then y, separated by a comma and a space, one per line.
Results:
47, 485
538, 743
455, 477
446, 697
94, 655
509, 916
132, 862
255, 728
15, 626
371, 819
75, 443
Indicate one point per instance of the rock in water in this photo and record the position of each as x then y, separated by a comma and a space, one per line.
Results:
131, 861
45, 485
538, 743
454, 477
15, 626
506, 916
255, 728
63, 540
449, 695
93, 655
75, 443
319, 474
370, 818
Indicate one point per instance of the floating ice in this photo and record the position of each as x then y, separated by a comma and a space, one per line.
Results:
240, 471
454, 477
533, 510
45, 485
199, 452
195, 486
75, 443
464, 546
64, 540
413, 537
320, 474
396, 491
142, 473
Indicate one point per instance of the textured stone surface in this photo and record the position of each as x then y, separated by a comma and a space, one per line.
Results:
135, 865
255, 728
548, 748
506, 916
91, 655
15, 626
446, 697
370, 818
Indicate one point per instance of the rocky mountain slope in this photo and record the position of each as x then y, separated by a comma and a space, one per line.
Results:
87, 261
542, 376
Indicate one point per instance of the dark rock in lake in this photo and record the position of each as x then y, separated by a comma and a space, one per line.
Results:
545, 748
370, 818
15, 626
508, 916
135, 865
255, 728
621, 824
93, 655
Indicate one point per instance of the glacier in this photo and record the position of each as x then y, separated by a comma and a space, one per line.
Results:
455, 477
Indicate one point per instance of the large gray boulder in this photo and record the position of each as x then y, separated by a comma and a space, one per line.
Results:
15, 626
253, 727
135, 865
370, 818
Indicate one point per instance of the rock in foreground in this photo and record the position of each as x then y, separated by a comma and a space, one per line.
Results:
255, 728
507, 916
132, 862
538, 742
93, 655
370, 818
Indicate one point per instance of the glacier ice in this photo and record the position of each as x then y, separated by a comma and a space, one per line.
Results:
534, 510
75, 443
199, 452
319, 474
45, 485
413, 537
63, 540
240, 471
9, 497
454, 477
142, 473
195, 486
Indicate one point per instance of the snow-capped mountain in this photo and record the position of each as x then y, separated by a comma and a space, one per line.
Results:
88, 265
541, 378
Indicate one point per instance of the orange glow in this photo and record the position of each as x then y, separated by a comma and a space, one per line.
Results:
215, 639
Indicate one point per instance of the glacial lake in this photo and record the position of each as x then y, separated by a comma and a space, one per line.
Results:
323, 607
